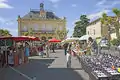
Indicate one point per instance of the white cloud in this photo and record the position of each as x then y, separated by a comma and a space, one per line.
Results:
101, 2
3, 4
74, 5
97, 14
107, 3
54, 1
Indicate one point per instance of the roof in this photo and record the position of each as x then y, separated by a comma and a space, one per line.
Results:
97, 20
93, 22
35, 14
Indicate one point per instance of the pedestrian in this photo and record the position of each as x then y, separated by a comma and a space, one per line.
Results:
47, 50
65, 48
27, 52
68, 56
92, 46
0, 58
10, 58
53, 47
41, 50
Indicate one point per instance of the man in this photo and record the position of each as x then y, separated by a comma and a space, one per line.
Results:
53, 47
65, 48
93, 45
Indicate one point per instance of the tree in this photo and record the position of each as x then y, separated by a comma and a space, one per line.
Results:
4, 32
31, 32
116, 22
26, 33
107, 22
61, 34
80, 26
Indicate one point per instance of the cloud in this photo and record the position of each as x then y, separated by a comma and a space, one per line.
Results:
101, 2
107, 3
54, 1
103, 6
97, 14
74, 5
3, 4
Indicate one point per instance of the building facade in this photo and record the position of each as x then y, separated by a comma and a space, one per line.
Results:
96, 29
40, 23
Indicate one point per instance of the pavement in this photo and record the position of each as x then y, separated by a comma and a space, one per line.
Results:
53, 68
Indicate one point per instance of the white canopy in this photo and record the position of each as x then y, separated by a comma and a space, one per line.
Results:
85, 37
70, 39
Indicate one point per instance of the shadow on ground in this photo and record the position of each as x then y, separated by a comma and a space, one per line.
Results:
39, 68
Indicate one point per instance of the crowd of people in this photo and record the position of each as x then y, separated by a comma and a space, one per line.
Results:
75, 49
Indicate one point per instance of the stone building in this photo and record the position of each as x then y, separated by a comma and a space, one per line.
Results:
97, 30
40, 23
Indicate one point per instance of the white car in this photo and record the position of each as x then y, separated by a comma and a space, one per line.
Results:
103, 43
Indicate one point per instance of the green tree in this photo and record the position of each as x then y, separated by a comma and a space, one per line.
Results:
107, 22
80, 26
26, 33
4, 32
116, 22
61, 34
31, 32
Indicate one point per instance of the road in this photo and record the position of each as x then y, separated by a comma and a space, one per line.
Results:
53, 68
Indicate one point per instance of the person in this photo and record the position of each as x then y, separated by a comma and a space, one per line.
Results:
47, 50
53, 47
41, 50
92, 45
27, 52
0, 58
10, 58
65, 48
68, 55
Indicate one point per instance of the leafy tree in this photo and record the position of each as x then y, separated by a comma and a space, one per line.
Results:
61, 34
80, 26
31, 32
4, 32
116, 21
26, 33
107, 22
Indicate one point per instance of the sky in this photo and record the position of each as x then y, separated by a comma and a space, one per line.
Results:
71, 9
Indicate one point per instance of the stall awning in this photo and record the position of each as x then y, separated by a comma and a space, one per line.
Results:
54, 40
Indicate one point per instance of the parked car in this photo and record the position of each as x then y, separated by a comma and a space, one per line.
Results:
103, 43
118, 47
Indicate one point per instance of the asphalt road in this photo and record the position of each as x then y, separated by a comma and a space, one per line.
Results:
53, 68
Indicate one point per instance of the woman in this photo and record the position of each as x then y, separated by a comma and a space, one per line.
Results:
11, 58
68, 55
27, 52
41, 50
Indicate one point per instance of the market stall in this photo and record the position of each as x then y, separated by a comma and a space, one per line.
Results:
15, 50
101, 67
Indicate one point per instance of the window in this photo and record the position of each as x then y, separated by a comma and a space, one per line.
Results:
43, 27
35, 27
49, 27
24, 28
94, 31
